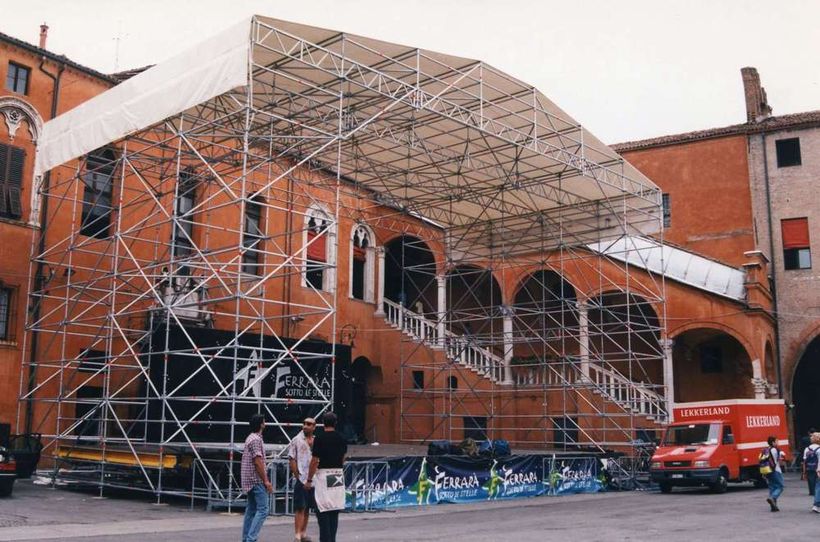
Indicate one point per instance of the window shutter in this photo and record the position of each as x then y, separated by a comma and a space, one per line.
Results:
4, 210
795, 233
4, 162
316, 250
15, 207
17, 158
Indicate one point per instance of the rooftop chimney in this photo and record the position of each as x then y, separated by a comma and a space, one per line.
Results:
43, 35
757, 106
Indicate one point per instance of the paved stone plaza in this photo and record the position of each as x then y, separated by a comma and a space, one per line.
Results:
38, 513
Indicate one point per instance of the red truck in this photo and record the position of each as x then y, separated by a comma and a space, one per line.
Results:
716, 442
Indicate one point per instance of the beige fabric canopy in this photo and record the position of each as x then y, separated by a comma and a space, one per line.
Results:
449, 138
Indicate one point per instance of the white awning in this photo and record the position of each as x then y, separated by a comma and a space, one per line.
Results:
213, 67
676, 264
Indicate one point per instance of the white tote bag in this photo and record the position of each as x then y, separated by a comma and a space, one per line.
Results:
330, 489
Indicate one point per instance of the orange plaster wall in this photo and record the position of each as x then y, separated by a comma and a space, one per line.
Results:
708, 183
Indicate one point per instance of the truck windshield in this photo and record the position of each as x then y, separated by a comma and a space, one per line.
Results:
693, 434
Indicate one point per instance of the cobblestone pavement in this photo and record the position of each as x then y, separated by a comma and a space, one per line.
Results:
39, 513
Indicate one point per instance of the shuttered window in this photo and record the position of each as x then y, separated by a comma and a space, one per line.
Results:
796, 243
5, 313
12, 161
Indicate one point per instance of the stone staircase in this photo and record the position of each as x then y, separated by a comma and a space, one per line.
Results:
459, 349
634, 397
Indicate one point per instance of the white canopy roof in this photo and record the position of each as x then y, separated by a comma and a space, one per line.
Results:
438, 135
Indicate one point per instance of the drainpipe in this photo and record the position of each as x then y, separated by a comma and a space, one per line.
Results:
773, 267
38, 272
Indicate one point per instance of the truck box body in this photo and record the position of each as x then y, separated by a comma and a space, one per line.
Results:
711, 443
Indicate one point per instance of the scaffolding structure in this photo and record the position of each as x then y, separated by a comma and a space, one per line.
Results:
165, 304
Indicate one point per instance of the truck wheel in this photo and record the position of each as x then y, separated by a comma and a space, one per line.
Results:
721, 484
6, 487
665, 487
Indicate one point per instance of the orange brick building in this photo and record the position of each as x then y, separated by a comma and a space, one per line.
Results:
389, 280
752, 187
37, 85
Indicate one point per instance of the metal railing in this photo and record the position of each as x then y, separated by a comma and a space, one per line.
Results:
458, 348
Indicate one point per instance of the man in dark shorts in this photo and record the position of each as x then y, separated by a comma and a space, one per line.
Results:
329, 450
299, 453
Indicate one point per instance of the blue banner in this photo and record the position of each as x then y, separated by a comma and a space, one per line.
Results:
418, 481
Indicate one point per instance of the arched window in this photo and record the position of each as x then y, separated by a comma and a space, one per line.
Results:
362, 263
320, 250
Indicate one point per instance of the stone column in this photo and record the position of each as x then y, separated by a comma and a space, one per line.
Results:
583, 336
441, 314
758, 382
380, 286
668, 376
508, 346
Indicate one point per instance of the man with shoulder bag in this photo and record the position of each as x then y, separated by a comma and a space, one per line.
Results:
329, 450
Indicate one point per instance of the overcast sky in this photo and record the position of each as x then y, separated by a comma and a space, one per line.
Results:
624, 69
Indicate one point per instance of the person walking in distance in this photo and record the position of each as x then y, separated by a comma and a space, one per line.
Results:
771, 461
299, 454
255, 483
815, 445
329, 450
810, 462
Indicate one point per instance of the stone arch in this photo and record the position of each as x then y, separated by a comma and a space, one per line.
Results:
805, 387
15, 112
410, 274
636, 290
545, 315
625, 334
711, 361
798, 348
474, 303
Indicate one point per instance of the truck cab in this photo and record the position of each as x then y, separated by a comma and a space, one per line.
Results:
697, 454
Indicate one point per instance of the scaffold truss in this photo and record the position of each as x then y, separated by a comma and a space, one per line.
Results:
196, 221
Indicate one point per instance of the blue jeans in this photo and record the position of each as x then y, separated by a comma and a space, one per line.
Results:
817, 495
256, 511
775, 480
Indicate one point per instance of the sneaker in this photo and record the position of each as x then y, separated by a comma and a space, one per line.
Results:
772, 504
815, 510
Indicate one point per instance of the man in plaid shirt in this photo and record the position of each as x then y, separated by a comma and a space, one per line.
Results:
255, 481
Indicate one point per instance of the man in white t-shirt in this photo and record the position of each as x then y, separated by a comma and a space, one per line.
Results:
299, 453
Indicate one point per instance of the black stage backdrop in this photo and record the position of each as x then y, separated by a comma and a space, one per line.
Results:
195, 389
